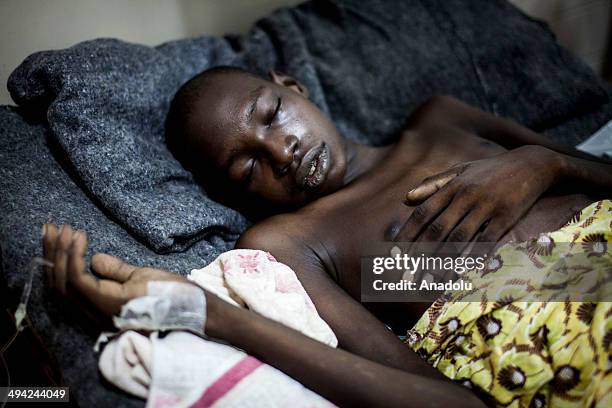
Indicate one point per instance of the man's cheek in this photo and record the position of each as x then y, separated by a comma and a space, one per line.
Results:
278, 192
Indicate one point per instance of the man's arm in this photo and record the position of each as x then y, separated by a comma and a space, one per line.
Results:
570, 170
343, 378
357, 330
491, 194
505, 132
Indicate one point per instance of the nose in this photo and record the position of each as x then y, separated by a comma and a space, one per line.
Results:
281, 150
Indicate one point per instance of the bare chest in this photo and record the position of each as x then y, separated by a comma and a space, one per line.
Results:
373, 209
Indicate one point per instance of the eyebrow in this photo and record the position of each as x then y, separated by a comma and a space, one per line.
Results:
255, 95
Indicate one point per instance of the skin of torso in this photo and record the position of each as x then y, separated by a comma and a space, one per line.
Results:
338, 227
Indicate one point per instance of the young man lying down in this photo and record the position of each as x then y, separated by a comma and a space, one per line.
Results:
455, 174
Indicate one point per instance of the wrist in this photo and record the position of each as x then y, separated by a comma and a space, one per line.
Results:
552, 163
219, 316
558, 163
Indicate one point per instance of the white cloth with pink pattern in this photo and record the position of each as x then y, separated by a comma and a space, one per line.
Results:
253, 278
184, 370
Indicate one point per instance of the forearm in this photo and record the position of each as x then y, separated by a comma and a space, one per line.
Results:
505, 132
584, 175
512, 135
341, 377
381, 346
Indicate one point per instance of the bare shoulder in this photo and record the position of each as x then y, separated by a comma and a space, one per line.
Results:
442, 103
440, 110
282, 236
286, 237
266, 234
289, 238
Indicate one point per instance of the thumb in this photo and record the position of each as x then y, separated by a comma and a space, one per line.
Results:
430, 185
111, 267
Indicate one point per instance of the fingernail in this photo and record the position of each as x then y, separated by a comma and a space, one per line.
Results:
407, 197
76, 235
44, 230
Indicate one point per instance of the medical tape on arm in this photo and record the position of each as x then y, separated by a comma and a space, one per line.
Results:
167, 306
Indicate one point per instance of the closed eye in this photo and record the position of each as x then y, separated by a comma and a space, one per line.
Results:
246, 180
275, 113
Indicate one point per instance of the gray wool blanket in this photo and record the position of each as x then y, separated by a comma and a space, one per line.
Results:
85, 144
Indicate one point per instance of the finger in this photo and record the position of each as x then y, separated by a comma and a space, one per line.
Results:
76, 258
496, 229
429, 186
49, 237
424, 213
62, 245
113, 268
104, 294
467, 229
439, 228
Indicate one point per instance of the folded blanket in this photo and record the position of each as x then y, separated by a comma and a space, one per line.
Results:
252, 278
184, 370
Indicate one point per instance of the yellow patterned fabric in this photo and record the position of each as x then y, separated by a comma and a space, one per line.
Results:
520, 353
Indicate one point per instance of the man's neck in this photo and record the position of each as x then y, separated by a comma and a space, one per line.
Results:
361, 159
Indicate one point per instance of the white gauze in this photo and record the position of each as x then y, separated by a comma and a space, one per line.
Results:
167, 306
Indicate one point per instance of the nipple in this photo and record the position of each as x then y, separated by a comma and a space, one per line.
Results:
392, 231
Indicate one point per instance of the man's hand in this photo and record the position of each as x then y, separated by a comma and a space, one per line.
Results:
66, 248
488, 195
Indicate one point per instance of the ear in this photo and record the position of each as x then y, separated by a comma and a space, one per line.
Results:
289, 82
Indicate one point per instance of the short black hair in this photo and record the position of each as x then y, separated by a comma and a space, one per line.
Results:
181, 107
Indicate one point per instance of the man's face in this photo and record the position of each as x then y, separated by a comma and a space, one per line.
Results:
266, 138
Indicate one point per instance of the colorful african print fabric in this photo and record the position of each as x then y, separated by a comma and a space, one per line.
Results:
530, 353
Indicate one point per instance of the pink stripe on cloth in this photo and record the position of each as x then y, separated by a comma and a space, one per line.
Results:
227, 381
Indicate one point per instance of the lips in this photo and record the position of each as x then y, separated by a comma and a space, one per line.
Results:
313, 168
